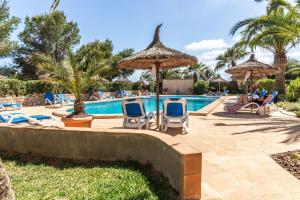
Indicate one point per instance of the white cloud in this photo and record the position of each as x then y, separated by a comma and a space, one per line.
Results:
207, 45
209, 57
294, 55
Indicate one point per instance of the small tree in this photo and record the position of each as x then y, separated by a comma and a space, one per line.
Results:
70, 74
7, 26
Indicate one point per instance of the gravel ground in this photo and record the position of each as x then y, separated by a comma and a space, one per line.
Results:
290, 161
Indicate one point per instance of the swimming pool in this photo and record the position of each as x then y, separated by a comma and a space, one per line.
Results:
194, 103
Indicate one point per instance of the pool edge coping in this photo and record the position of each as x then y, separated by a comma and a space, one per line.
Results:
206, 110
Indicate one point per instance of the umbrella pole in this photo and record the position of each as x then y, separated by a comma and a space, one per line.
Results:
251, 82
157, 95
219, 86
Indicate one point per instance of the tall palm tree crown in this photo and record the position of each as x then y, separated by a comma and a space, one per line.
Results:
270, 32
54, 5
230, 58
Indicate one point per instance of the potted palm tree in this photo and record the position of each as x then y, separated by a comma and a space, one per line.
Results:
75, 77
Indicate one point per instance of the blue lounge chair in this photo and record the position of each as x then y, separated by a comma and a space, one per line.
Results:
19, 118
135, 115
10, 106
65, 99
51, 99
175, 114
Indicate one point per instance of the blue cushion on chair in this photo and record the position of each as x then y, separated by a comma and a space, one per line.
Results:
49, 96
133, 110
40, 117
174, 110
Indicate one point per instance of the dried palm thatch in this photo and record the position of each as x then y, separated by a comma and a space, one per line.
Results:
157, 56
254, 66
123, 79
255, 77
218, 80
157, 53
6, 192
257, 71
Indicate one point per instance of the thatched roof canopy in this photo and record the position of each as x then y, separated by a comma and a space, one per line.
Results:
254, 66
123, 80
157, 53
218, 80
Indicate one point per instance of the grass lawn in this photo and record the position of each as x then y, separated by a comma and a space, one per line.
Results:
43, 178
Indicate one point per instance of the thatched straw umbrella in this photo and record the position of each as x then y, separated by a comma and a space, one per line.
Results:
155, 57
123, 79
218, 80
254, 67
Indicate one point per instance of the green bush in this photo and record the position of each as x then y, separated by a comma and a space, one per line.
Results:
298, 114
137, 86
267, 84
118, 86
293, 90
11, 87
15, 87
40, 87
293, 107
201, 87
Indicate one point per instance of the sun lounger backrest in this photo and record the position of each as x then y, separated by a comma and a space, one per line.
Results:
3, 118
63, 97
175, 107
49, 97
133, 108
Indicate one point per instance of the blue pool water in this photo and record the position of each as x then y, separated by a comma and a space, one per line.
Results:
194, 103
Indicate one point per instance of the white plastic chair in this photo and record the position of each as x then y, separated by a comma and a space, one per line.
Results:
135, 115
175, 114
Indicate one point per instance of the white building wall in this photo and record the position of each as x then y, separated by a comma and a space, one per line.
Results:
178, 86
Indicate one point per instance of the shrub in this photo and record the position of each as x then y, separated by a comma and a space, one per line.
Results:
267, 84
118, 86
13, 87
293, 90
200, 87
40, 87
233, 87
137, 86
298, 114
293, 107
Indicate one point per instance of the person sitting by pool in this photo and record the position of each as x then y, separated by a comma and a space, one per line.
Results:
261, 97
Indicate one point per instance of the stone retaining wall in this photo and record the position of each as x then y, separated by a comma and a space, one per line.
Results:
180, 163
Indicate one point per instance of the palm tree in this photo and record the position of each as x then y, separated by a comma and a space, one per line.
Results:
230, 58
70, 74
273, 4
270, 32
293, 69
54, 5
169, 74
199, 71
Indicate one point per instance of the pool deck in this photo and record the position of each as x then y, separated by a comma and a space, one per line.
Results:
236, 149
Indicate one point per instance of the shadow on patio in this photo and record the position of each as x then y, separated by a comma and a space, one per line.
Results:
290, 127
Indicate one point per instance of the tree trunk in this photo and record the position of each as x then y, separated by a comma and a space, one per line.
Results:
79, 106
6, 192
281, 62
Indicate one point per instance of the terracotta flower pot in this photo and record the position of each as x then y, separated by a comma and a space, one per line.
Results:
85, 122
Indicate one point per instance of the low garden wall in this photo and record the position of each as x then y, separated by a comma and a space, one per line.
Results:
180, 163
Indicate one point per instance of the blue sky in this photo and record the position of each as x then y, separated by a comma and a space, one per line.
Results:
198, 27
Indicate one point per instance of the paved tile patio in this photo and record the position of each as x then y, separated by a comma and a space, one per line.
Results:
236, 149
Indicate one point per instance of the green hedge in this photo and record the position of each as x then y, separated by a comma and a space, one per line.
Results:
15, 87
293, 90
200, 87
267, 84
119, 86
